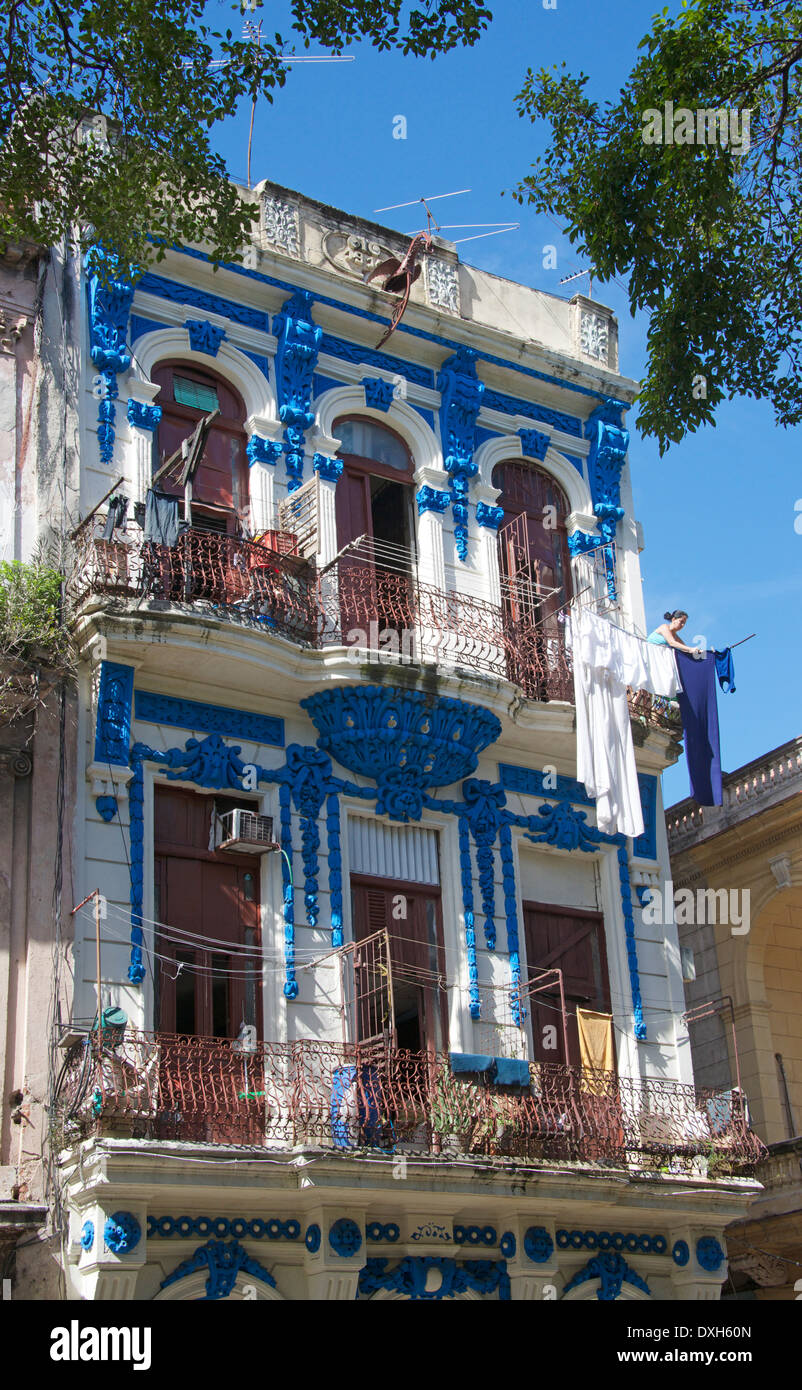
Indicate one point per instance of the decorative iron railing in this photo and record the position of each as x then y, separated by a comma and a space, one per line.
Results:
382, 611
371, 1097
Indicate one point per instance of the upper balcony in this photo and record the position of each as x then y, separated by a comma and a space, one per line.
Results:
367, 600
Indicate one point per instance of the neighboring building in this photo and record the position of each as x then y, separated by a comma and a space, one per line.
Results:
752, 845
357, 929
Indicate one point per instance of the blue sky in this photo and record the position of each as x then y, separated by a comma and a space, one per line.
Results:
718, 510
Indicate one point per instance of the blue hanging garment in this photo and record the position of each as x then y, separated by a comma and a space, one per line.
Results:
699, 711
725, 670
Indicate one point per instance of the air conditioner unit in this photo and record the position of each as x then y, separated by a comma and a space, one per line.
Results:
246, 832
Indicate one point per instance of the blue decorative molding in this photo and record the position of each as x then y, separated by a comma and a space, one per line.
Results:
565, 828
223, 1263
632, 949
208, 762
378, 393
645, 847
605, 1240
140, 326
122, 1232
113, 733
260, 450
136, 834
179, 293
345, 1238
582, 542
538, 1245
484, 803
515, 405
461, 394
430, 1230
312, 1238
212, 719
204, 336
466, 875
335, 868
369, 357
490, 517
288, 891
296, 357
530, 781
409, 1277
329, 468
273, 1228
475, 1235
87, 1235
106, 807
709, 1254
608, 448
534, 443
110, 294
376, 1232
143, 416
613, 1271
310, 771
680, 1253
508, 1245
404, 739
511, 910
429, 499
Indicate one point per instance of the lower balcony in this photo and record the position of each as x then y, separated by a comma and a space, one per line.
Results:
377, 609
354, 1098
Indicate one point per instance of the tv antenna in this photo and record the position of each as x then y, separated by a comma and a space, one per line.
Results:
577, 276
252, 33
401, 275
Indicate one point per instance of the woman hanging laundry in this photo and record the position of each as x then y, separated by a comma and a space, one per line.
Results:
666, 633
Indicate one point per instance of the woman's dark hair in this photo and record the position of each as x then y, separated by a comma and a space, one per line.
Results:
678, 613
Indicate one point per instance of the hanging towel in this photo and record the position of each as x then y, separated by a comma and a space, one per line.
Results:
725, 670
595, 1040
115, 516
161, 518
604, 749
462, 1062
508, 1071
699, 711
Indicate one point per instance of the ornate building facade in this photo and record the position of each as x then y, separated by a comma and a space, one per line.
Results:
363, 1002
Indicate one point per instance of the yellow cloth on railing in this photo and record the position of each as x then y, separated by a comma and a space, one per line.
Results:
595, 1040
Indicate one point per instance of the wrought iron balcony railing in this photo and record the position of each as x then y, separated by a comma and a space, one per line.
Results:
382, 611
342, 1098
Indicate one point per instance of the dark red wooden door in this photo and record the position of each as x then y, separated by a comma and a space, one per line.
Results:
570, 940
216, 898
412, 918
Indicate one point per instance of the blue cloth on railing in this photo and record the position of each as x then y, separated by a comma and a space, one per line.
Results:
470, 1062
725, 670
355, 1109
509, 1071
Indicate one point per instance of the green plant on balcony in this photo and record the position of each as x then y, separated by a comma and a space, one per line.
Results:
33, 631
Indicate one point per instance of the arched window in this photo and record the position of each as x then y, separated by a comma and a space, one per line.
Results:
220, 499
375, 493
535, 578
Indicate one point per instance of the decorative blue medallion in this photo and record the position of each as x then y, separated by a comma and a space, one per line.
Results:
538, 1245
88, 1235
534, 444
345, 1238
378, 393
612, 1271
122, 1232
508, 1245
680, 1253
709, 1254
312, 1238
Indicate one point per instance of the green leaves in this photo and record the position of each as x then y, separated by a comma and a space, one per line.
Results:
707, 237
107, 109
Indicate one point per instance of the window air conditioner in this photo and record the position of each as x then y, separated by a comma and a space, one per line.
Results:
245, 831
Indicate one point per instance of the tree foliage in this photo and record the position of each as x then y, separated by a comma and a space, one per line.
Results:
107, 109
708, 236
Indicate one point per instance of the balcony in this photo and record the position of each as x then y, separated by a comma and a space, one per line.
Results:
374, 606
359, 1098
